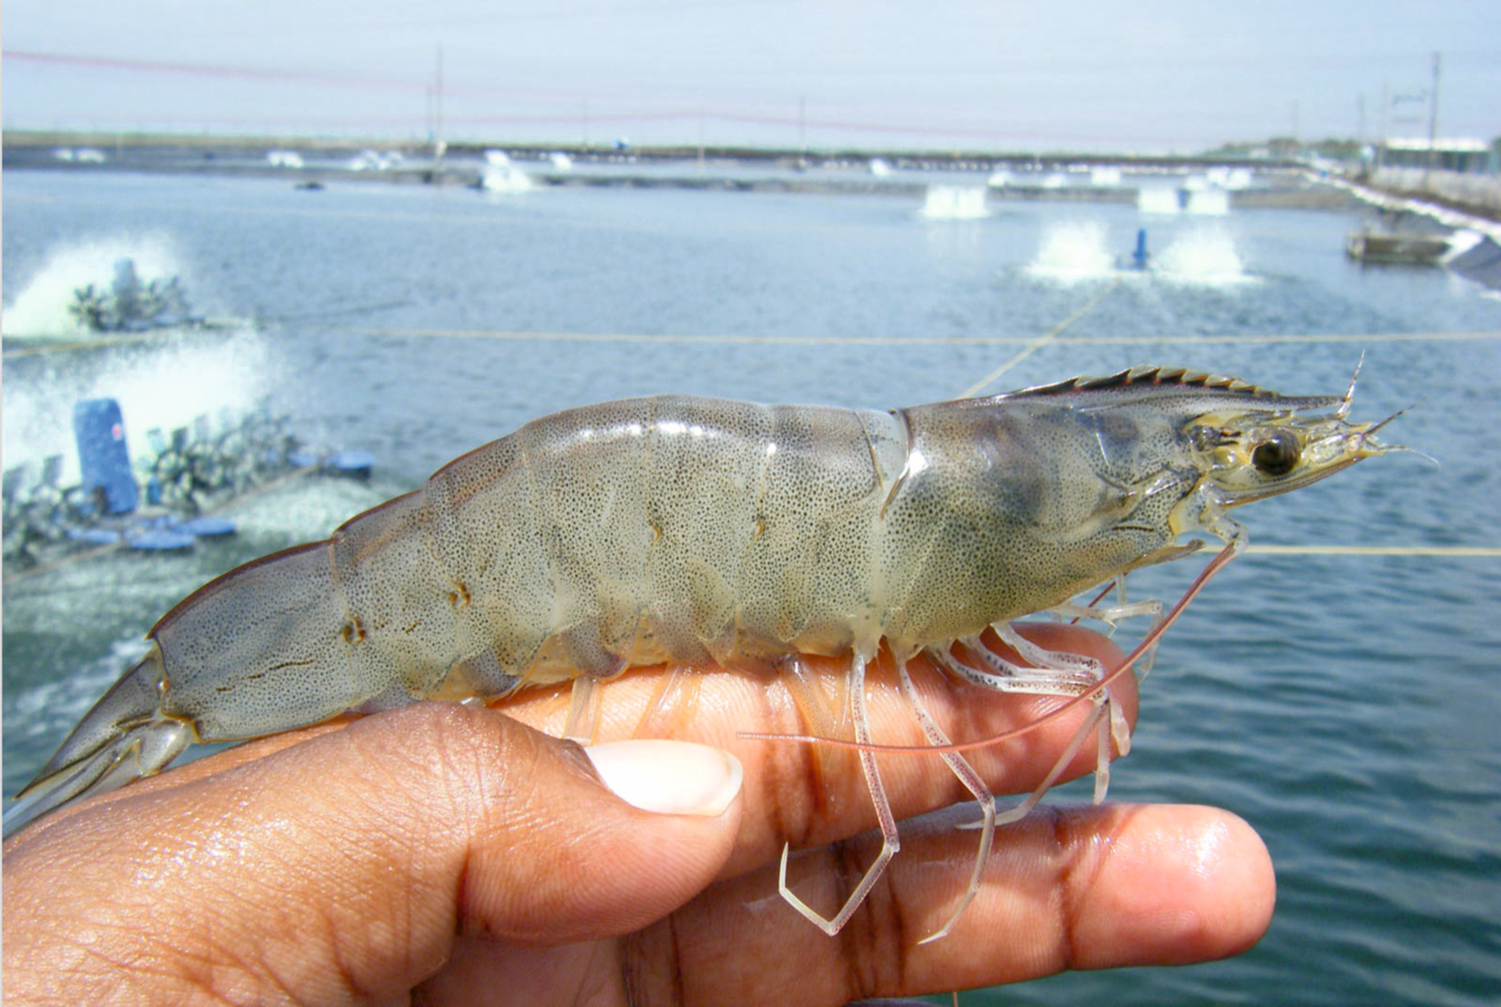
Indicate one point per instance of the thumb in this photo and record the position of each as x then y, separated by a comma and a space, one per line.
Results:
345, 865
573, 862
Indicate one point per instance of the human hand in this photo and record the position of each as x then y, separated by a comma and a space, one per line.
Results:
456, 855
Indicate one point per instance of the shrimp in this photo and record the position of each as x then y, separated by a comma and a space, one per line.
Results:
697, 531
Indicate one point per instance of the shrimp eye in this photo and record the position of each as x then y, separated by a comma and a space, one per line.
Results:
1276, 455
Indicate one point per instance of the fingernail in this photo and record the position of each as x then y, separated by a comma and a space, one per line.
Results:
668, 777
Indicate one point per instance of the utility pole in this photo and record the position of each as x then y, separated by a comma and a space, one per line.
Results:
802, 123
1383, 130
1433, 117
439, 144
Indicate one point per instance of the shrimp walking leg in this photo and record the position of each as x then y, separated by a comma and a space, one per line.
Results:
673, 701
1111, 615
1022, 810
1051, 677
972, 782
890, 844
582, 725
1095, 671
1003, 676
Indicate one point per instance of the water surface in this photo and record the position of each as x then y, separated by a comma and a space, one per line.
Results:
1344, 705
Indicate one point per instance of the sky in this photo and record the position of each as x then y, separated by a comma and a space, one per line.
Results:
1142, 76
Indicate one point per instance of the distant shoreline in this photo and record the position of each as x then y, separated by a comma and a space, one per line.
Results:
719, 168
24, 140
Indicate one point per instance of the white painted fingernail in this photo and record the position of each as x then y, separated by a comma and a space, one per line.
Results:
668, 777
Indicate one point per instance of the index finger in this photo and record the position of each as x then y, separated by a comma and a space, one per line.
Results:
808, 795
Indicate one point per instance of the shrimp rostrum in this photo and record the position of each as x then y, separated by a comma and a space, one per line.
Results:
697, 531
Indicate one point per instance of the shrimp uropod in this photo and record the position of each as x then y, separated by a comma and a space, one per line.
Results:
692, 531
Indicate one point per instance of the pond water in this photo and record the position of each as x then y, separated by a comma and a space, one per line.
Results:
1343, 704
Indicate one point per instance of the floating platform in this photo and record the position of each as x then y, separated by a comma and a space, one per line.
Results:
1400, 247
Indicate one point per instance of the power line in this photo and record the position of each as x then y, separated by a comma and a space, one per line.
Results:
207, 70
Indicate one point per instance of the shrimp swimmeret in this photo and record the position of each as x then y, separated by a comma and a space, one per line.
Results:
694, 532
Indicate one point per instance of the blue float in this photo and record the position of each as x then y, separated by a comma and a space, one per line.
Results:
350, 463
94, 536
207, 527
164, 540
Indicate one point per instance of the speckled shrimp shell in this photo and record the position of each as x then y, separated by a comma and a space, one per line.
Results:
696, 531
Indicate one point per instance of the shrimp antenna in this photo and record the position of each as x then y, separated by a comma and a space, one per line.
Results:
1384, 422
1349, 400
1391, 448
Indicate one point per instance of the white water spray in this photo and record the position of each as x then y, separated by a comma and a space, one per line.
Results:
502, 175
954, 202
161, 387
1212, 202
1205, 256
41, 308
1158, 199
1073, 252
